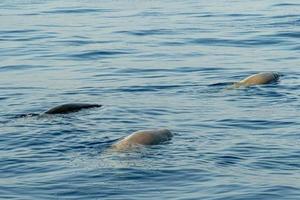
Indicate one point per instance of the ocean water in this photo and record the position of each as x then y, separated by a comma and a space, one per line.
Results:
151, 64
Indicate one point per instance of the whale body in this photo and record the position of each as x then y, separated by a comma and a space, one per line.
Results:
143, 137
70, 107
258, 79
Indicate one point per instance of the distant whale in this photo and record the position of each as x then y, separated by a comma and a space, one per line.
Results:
143, 137
258, 79
70, 107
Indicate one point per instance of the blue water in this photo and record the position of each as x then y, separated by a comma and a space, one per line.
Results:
152, 64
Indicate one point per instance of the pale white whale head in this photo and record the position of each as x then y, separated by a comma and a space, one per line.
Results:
143, 137
258, 79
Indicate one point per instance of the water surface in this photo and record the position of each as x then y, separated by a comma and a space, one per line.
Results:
151, 64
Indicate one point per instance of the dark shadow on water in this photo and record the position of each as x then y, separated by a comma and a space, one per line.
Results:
221, 84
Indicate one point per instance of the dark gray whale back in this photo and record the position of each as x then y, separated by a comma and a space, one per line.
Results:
71, 107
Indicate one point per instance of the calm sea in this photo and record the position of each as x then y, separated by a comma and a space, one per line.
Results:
152, 64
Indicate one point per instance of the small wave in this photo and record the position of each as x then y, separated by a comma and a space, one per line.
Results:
292, 22
9, 32
148, 14
152, 88
171, 70
254, 123
284, 16
226, 160
76, 42
25, 39
147, 32
242, 15
172, 43
296, 48
286, 5
3, 98
83, 41
76, 11
98, 54
20, 67
255, 42
294, 34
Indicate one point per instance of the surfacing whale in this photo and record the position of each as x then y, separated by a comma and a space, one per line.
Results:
62, 109
143, 138
258, 79
70, 107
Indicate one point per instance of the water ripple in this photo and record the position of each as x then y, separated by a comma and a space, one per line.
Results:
257, 124
256, 42
286, 5
98, 54
77, 11
148, 32
151, 64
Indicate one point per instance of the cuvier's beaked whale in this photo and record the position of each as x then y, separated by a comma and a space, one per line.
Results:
62, 109
70, 107
258, 79
143, 138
